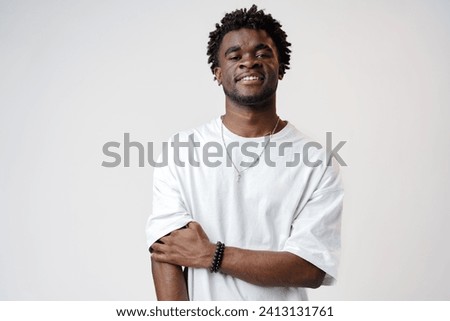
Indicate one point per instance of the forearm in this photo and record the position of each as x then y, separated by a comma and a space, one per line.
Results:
170, 284
191, 247
268, 268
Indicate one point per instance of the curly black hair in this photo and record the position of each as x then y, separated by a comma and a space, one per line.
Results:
252, 19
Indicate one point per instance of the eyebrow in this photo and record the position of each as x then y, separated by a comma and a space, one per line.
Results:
232, 49
237, 48
262, 46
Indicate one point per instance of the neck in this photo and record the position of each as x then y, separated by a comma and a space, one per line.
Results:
251, 122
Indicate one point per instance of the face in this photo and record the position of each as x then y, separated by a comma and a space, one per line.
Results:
248, 69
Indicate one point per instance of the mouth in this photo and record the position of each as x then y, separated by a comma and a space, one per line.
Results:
248, 78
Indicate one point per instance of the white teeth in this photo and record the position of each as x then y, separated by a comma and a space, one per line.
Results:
247, 78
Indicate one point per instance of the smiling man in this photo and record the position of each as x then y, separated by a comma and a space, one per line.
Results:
246, 228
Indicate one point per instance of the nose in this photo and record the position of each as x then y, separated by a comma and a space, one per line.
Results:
249, 62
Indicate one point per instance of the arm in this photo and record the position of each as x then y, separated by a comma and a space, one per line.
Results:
191, 247
170, 284
269, 268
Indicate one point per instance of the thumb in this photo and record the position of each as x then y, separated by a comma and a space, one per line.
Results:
194, 225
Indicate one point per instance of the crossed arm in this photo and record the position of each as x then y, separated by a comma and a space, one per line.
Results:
191, 247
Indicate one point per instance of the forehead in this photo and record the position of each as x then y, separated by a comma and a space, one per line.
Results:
246, 38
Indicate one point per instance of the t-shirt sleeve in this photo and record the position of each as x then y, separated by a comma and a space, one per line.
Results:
168, 209
316, 229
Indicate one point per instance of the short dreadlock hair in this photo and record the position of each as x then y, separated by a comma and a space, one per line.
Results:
252, 19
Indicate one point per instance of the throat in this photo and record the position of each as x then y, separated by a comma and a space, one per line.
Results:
252, 125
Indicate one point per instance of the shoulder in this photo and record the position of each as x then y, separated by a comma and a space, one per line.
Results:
315, 156
311, 149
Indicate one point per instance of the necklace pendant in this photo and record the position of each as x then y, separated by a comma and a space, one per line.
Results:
238, 177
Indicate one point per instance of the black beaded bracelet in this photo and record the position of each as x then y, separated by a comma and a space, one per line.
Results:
218, 256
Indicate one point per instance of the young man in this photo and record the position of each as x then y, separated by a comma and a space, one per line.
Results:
277, 219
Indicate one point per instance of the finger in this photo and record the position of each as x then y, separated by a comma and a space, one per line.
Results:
158, 247
158, 257
164, 258
166, 239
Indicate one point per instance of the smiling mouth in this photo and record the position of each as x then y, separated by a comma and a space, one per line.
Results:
250, 78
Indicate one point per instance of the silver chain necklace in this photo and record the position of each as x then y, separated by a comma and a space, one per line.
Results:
239, 172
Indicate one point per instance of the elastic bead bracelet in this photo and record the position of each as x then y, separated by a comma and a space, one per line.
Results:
218, 256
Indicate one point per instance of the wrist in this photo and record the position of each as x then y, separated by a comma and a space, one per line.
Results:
217, 258
209, 254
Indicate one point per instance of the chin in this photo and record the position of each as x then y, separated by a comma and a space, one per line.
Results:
255, 101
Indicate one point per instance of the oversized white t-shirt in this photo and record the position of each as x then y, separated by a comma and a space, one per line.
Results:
288, 201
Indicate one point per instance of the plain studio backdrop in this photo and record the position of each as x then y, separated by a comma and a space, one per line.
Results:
75, 75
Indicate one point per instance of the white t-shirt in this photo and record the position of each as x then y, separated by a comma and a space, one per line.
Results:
277, 205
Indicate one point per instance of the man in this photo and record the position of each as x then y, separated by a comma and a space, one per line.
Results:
277, 221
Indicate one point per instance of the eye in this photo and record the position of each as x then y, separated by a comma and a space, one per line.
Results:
234, 58
262, 55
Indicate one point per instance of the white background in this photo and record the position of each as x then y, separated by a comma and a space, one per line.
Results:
77, 74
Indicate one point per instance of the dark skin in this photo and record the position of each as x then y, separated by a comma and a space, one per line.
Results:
249, 71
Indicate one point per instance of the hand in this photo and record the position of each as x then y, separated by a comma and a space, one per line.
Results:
185, 247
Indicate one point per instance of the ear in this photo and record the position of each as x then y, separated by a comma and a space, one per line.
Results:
280, 72
218, 75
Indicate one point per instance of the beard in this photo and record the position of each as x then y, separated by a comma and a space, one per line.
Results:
253, 101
